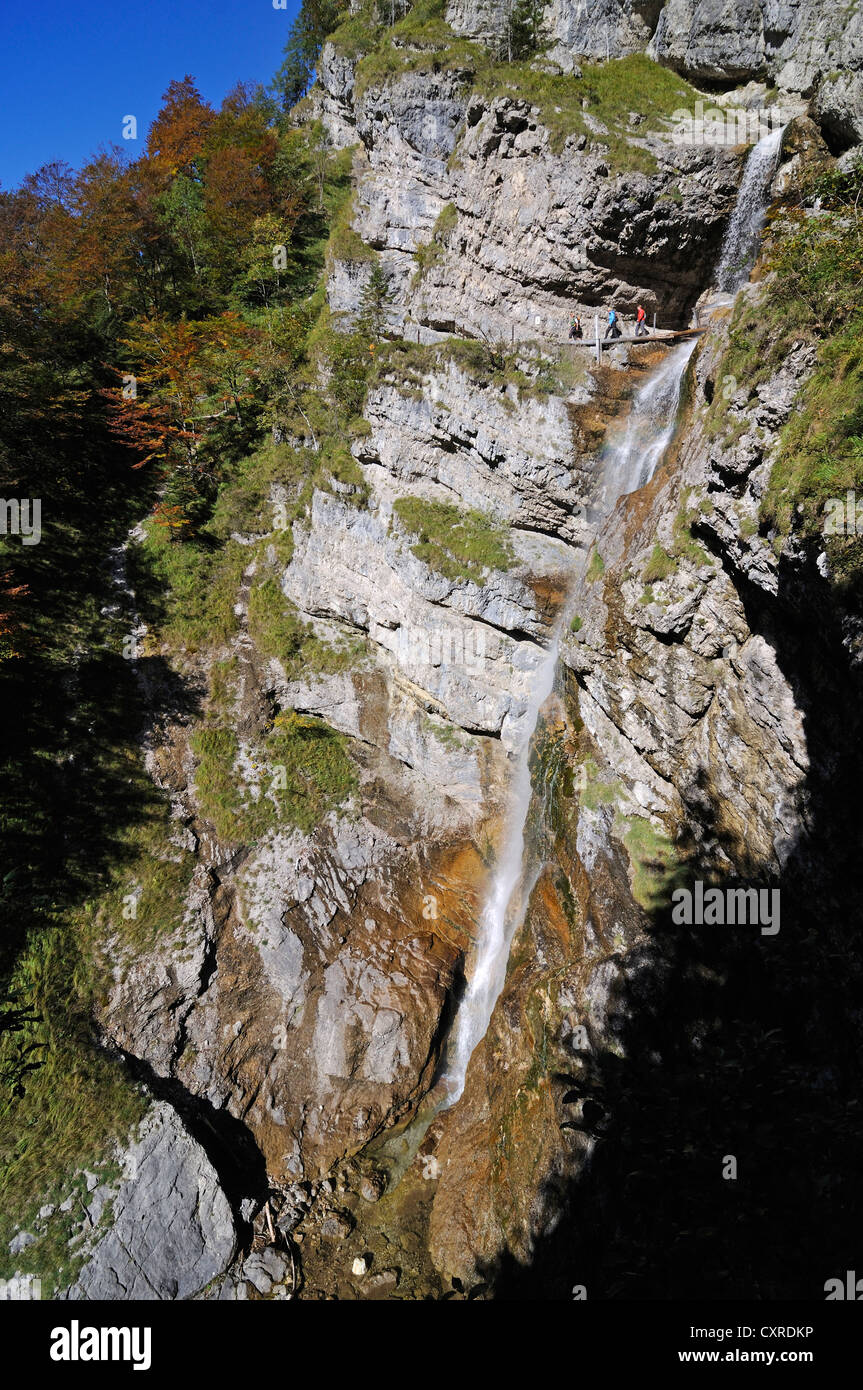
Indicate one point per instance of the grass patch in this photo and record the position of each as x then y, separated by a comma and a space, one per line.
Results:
445, 734
684, 545
654, 861
339, 472
278, 630
594, 791
434, 249
611, 91
298, 773
187, 589
345, 244
595, 568
659, 566
421, 42
358, 34
458, 544
244, 504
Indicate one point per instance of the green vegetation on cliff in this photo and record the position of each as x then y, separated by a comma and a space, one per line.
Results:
163, 326
421, 41
606, 93
432, 251
459, 544
814, 251
653, 858
297, 773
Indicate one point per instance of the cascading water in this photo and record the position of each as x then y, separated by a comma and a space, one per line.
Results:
632, 462
743, 234
498, 919
627, 466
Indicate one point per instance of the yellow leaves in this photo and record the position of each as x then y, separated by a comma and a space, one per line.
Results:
288, 721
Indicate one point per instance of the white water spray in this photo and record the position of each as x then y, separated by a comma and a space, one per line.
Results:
632, 462
743, 233
499, 917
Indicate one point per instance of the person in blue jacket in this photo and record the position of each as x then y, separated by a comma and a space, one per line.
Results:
613, 329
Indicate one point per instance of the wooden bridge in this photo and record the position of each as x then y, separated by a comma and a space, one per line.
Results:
655, 335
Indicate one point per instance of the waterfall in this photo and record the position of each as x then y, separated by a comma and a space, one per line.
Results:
743, 233
632, 462
627, 466
500, 916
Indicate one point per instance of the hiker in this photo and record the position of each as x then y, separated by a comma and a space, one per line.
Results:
641, 323
575, 327
613, 329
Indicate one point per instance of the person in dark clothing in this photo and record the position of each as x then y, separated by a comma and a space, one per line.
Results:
575, 327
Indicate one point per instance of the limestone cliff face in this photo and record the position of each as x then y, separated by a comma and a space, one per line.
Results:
799, 47
299, 1014
535, 230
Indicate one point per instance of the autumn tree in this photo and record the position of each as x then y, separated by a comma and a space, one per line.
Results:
104, 238
176, 139
193, 396
268, 259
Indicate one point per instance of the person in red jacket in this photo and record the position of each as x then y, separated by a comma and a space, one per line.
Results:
640, 323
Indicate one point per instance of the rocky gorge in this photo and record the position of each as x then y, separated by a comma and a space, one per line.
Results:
627, 633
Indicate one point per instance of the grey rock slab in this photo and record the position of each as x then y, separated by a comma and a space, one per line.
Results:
173, 1229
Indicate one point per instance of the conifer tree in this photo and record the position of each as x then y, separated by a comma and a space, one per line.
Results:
316, 19
375, 298
525, 29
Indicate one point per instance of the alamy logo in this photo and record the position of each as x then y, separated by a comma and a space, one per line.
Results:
440, 646
721, 907
724, 126
76, 1343
20, 1288
843, 515
21, 518
851, 1288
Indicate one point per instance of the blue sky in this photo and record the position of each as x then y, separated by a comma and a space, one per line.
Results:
72, 69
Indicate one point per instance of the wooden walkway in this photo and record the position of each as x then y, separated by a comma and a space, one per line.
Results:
656, 335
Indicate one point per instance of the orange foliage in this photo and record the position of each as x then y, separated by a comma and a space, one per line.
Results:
176, 139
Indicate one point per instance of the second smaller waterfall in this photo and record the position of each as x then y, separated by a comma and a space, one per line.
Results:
632, 461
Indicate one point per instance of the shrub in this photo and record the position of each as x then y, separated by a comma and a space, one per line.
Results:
659, 566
